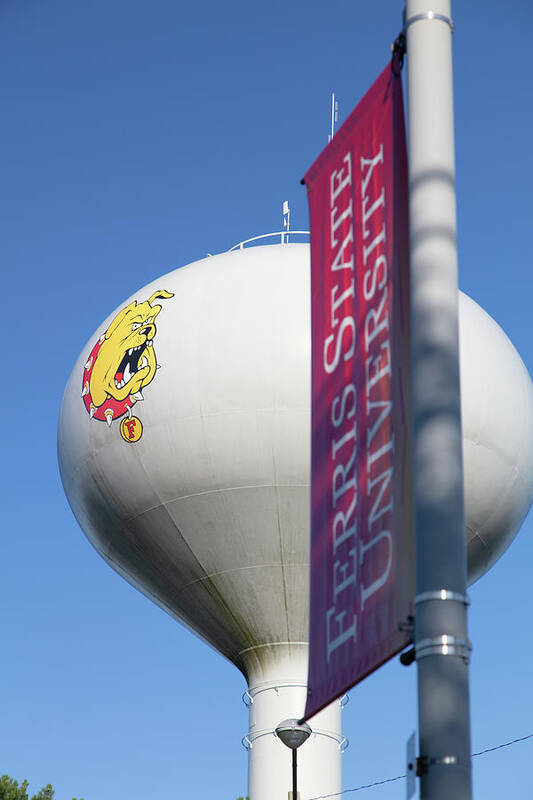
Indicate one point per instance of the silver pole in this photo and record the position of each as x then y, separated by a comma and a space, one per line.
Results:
441, 642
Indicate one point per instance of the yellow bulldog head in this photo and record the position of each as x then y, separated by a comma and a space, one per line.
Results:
123, 361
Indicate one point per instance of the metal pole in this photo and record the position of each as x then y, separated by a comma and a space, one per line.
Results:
441, 643
294, 776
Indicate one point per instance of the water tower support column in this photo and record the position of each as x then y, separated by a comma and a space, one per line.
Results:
277, 695
441, 642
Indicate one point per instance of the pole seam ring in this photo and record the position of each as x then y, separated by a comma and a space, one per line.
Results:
424, 763
429, 15
444, 645
442, 594
446, 760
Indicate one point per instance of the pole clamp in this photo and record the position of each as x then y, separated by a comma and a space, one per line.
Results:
407, 625
423, 763
398, 48
442, 594
429, 15
444, 645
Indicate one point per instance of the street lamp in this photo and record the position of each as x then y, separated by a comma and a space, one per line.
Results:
293, 735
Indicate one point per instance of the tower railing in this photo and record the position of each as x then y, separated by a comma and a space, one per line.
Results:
284, 238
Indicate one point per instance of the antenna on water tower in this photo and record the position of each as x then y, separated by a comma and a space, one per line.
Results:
334, 115
286, 221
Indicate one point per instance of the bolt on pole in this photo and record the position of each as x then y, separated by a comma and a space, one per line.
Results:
441, 642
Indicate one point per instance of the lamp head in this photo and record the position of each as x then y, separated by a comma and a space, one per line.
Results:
292, 734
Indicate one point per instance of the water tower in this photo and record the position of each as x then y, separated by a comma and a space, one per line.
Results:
192, 480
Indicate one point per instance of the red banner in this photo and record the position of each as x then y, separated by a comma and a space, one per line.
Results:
361, 504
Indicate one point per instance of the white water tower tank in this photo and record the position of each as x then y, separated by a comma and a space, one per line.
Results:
192, 480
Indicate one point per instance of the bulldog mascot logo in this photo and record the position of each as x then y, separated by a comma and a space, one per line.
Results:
121, 364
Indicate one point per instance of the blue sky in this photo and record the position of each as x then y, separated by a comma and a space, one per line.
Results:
136, 138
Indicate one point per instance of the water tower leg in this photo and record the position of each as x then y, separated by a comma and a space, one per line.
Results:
279, 693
